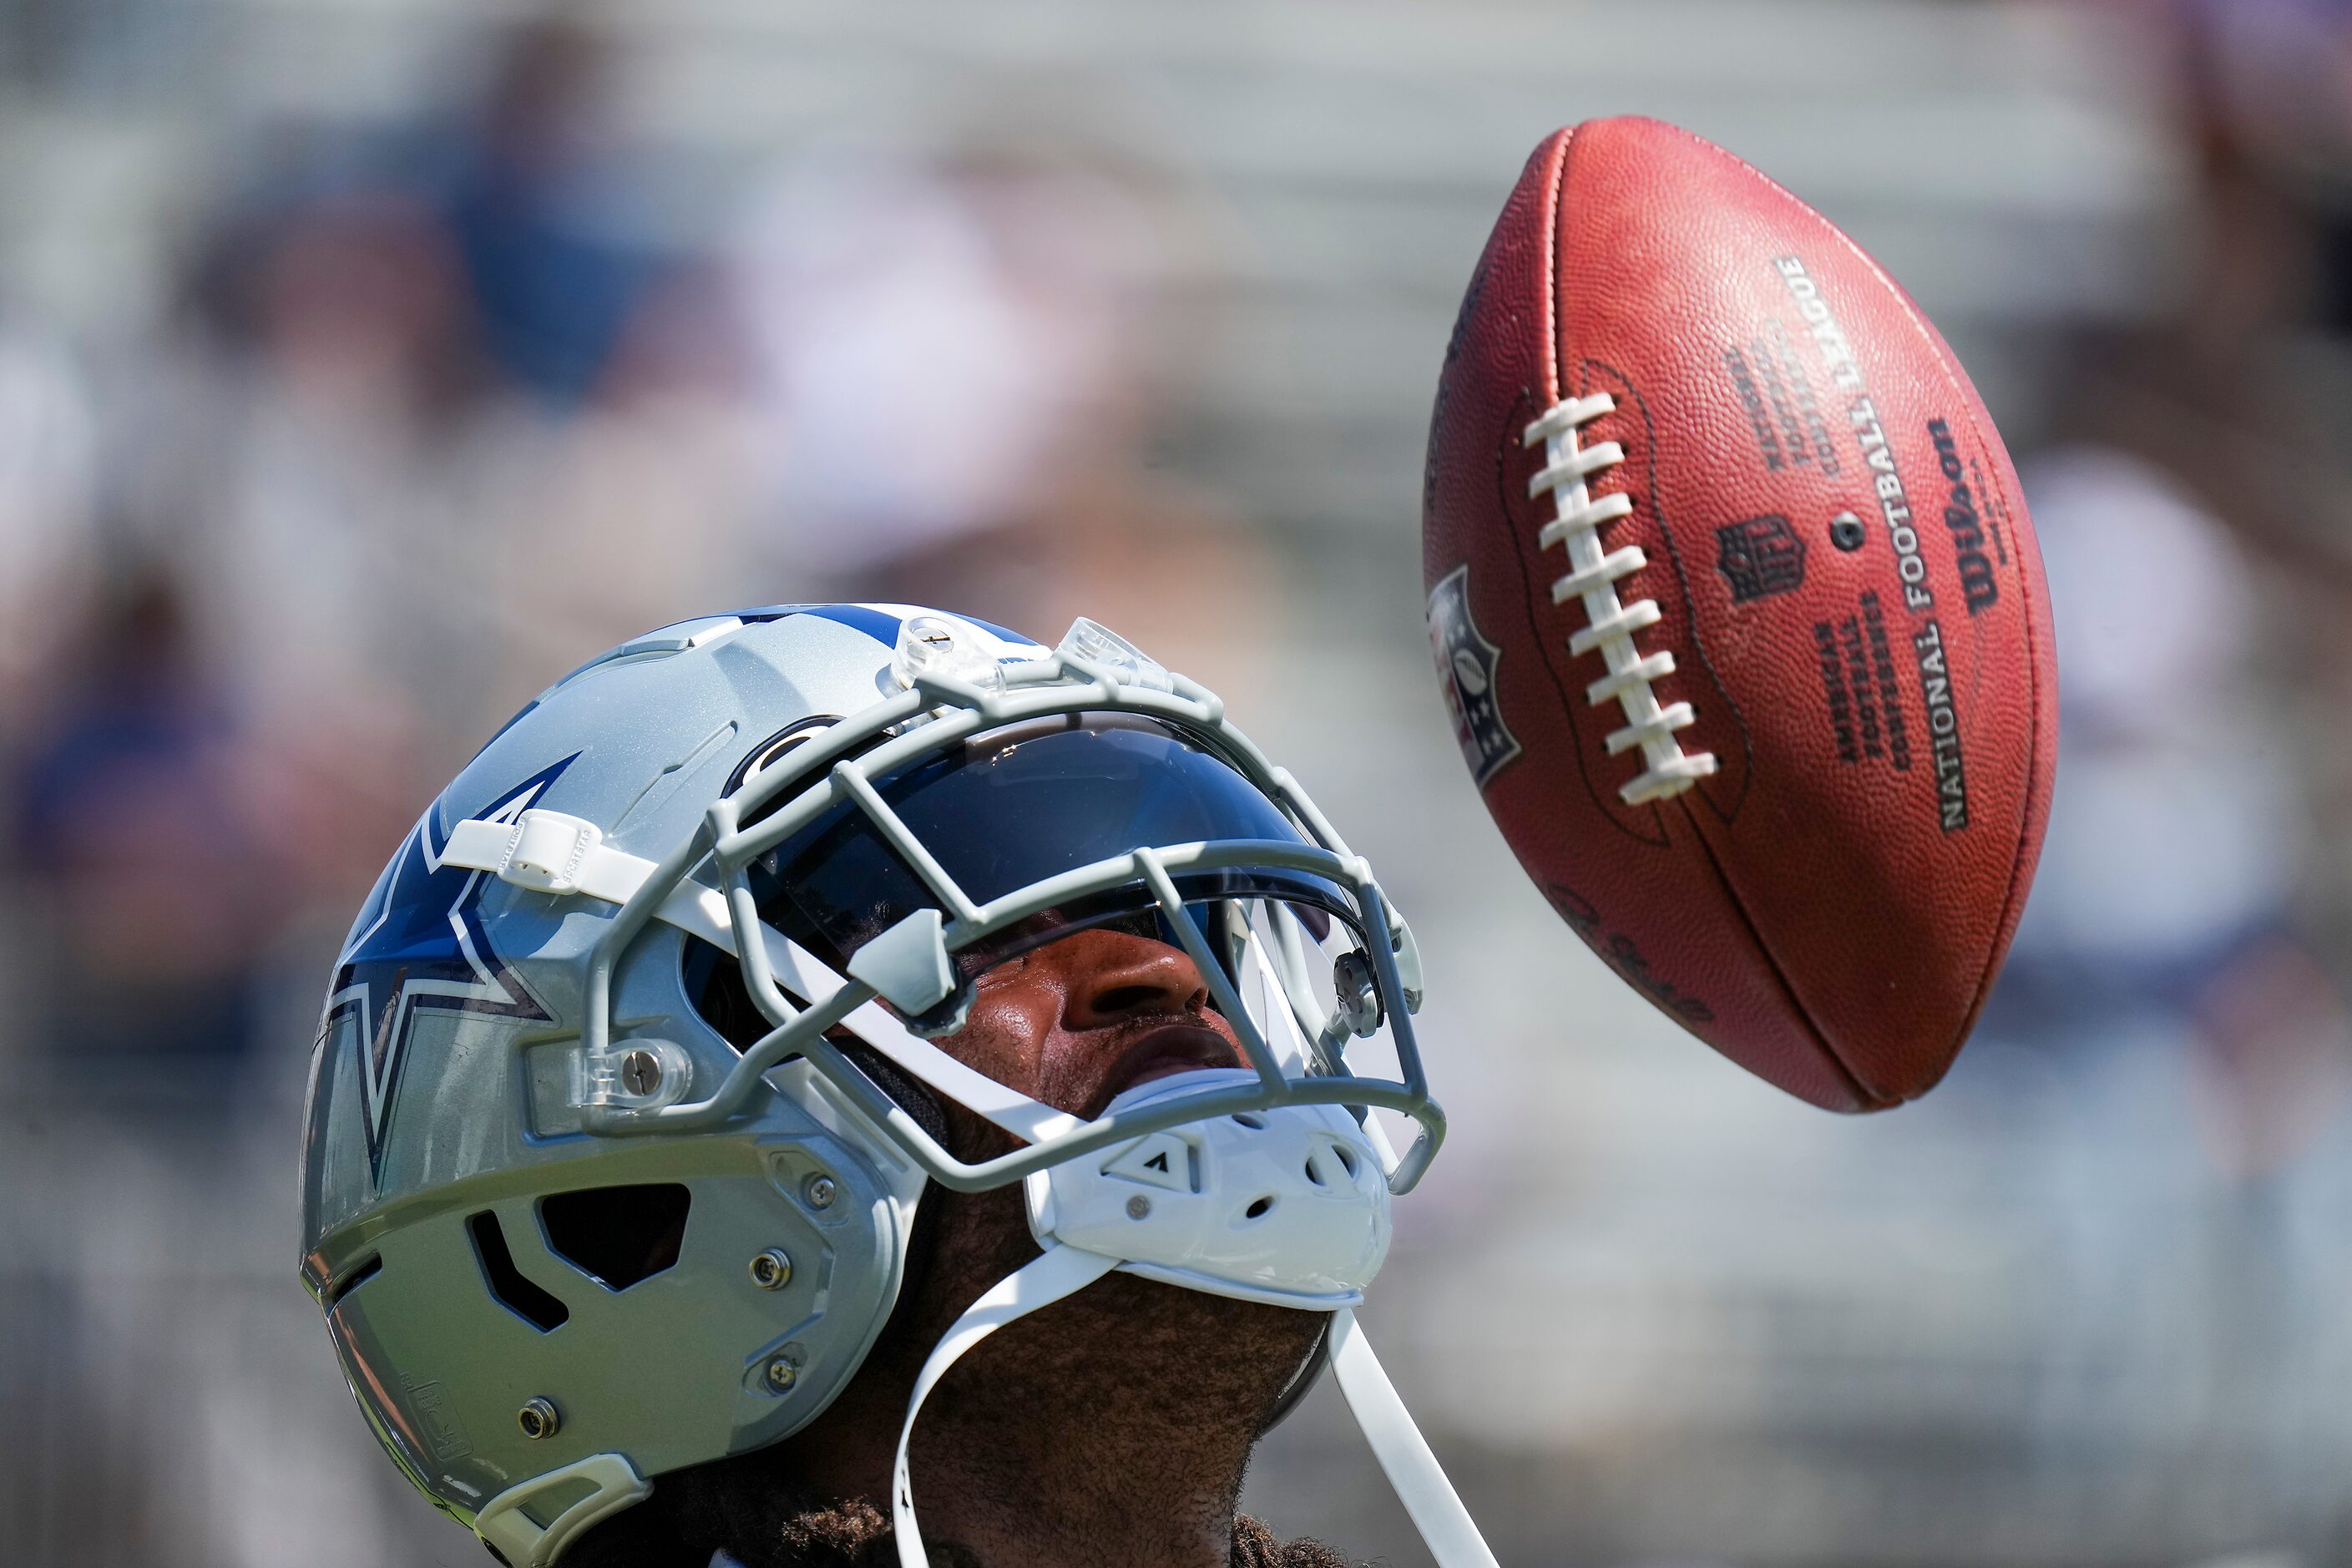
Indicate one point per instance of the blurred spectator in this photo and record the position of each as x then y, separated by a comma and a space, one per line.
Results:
48, 458
2181, 955
2166, 739
958, 362
461, 405
438, 430
635, 511
545, 220
132, 824
316, 455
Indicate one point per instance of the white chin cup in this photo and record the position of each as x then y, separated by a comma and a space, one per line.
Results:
1287, 1205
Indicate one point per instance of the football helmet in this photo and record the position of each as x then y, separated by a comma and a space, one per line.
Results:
625, 1088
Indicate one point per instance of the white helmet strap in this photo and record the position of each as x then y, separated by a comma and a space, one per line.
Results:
1062, 1271
1412, 1470
550, 852
1404, 1456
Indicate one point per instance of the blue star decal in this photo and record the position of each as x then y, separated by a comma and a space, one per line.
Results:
420, 943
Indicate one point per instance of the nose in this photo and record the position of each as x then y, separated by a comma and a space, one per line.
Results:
1111, 978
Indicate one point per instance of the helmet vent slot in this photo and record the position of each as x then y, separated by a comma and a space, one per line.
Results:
617, 1235
507, 1286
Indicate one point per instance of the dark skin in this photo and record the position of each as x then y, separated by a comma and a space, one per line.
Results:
1110, 1430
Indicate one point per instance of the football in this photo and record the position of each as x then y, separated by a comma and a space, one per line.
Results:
1736, 604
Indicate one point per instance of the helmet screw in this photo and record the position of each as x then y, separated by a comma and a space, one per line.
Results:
539, 1418
819, 1190
1138, 1206
1358, 995
641, 1072
772, 1270
781, 1374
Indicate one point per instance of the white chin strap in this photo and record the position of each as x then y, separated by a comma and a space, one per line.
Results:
1405, 1456
1287, 1206
1062, 1271
1420, 1484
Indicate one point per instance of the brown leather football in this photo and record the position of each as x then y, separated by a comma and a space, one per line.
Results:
1739, 613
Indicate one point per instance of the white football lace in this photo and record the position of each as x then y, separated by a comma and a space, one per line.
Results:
1610, 624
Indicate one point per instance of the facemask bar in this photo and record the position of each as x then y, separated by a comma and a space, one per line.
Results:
940, 711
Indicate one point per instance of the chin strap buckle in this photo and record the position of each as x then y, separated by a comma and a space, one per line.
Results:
547, 852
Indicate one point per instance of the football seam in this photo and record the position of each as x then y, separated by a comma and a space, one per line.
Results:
1551, 266
1543, 397
1864, 1097
1730, 896
1665, 770
2019, 879
1927, 338
1972, 407
2033, 670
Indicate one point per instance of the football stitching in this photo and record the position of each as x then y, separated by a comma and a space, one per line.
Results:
1651, 485
1609, 623
1552, 372
1523, 559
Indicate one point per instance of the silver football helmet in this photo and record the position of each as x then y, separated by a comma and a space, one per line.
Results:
617, 1114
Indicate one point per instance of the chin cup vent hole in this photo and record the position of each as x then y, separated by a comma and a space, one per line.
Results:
617, 1235
1331, 1164
507, 1287
1259, 1209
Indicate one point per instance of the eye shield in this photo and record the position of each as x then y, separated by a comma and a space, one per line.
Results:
1011, 809
861, 870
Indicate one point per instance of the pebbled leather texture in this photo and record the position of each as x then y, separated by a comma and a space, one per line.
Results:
1831, 907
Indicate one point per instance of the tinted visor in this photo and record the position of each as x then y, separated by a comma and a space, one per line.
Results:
1011, 808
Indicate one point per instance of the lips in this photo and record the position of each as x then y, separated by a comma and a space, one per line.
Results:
1158, 1053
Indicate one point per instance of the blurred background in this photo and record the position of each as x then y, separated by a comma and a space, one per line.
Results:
365, 365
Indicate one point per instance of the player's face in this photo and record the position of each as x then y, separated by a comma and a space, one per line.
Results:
1076, 1021
1071, 1024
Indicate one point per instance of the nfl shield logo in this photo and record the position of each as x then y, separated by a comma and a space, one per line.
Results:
1465, 668
1759, 557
